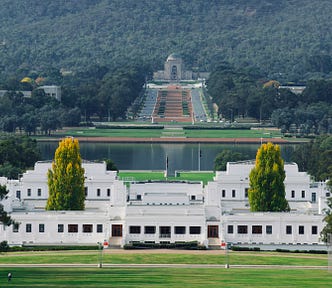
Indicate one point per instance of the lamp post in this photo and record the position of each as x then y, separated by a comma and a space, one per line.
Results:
100, 255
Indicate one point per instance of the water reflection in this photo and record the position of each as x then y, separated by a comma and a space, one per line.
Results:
139, 156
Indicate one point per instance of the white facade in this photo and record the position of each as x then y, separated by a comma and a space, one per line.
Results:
163, 212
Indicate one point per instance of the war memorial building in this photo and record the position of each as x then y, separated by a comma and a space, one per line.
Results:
164, 212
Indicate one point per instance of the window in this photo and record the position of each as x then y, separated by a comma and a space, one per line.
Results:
179, 230
303, 194
108, 192
314, 230
86, 191
60, 228
72, 228
139, 197
268, 229
193, 197
29, 192
98, 192
164, 231
149, 229
39, 192
99, 228
15, 227
117, 230
301, 230
293, 194
213, 231
288, 229
134, 229
256, 229
327, 194
230, 229
242, 229
223, 193
233, 193
18, 194
28, 228
41, 228
87, 228
313, 197
246, 190
195, 230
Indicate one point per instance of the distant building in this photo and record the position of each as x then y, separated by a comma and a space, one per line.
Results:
52, 91
174, 70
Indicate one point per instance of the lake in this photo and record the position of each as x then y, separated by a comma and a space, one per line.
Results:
136, 156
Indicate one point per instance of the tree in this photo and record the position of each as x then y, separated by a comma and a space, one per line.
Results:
4, 218
226, 156
66, 178
327, 230
267, 189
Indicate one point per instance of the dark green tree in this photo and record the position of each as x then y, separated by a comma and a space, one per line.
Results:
267, 189
4, 217
327, 230
227, 156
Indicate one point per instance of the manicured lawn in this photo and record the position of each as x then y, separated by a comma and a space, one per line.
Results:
153, 257
145, 176
163, 277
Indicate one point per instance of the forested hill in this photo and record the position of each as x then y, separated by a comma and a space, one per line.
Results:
288, 40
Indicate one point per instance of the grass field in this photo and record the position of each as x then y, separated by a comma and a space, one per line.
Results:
152, 175
164, 277
157, 133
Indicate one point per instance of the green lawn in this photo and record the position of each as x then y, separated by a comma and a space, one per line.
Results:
157, 133
164, 277
151, 175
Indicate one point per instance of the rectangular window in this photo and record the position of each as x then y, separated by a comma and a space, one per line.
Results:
139, 197
87, 228
29, 192
303, 194
86, 191
246, 190
256, 229
213, 231
223, 193
164, 231
149, 229
193, 197
301, 230
293, 194
60, 228
195, 230
288, 229
313, 197
98, 192
15, 227
117, 230
179, 230
41, 228
99, 228
233, 193
230, 229
18, 194
242, 229
72, 228
314, 230
28, 228
268, 229
134, 229
108, 192
39, 192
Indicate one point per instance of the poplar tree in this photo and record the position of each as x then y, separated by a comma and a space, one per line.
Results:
267, 188
66, 178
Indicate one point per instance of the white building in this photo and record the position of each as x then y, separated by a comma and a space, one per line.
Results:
163, 212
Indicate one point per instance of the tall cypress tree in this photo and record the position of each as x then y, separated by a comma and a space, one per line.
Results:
66, 178
267, 188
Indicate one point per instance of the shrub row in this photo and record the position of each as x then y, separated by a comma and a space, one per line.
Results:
185, 245
50, 248
302, 251
214, 128
130, 127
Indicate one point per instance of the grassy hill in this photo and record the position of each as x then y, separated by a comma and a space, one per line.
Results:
287, 40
